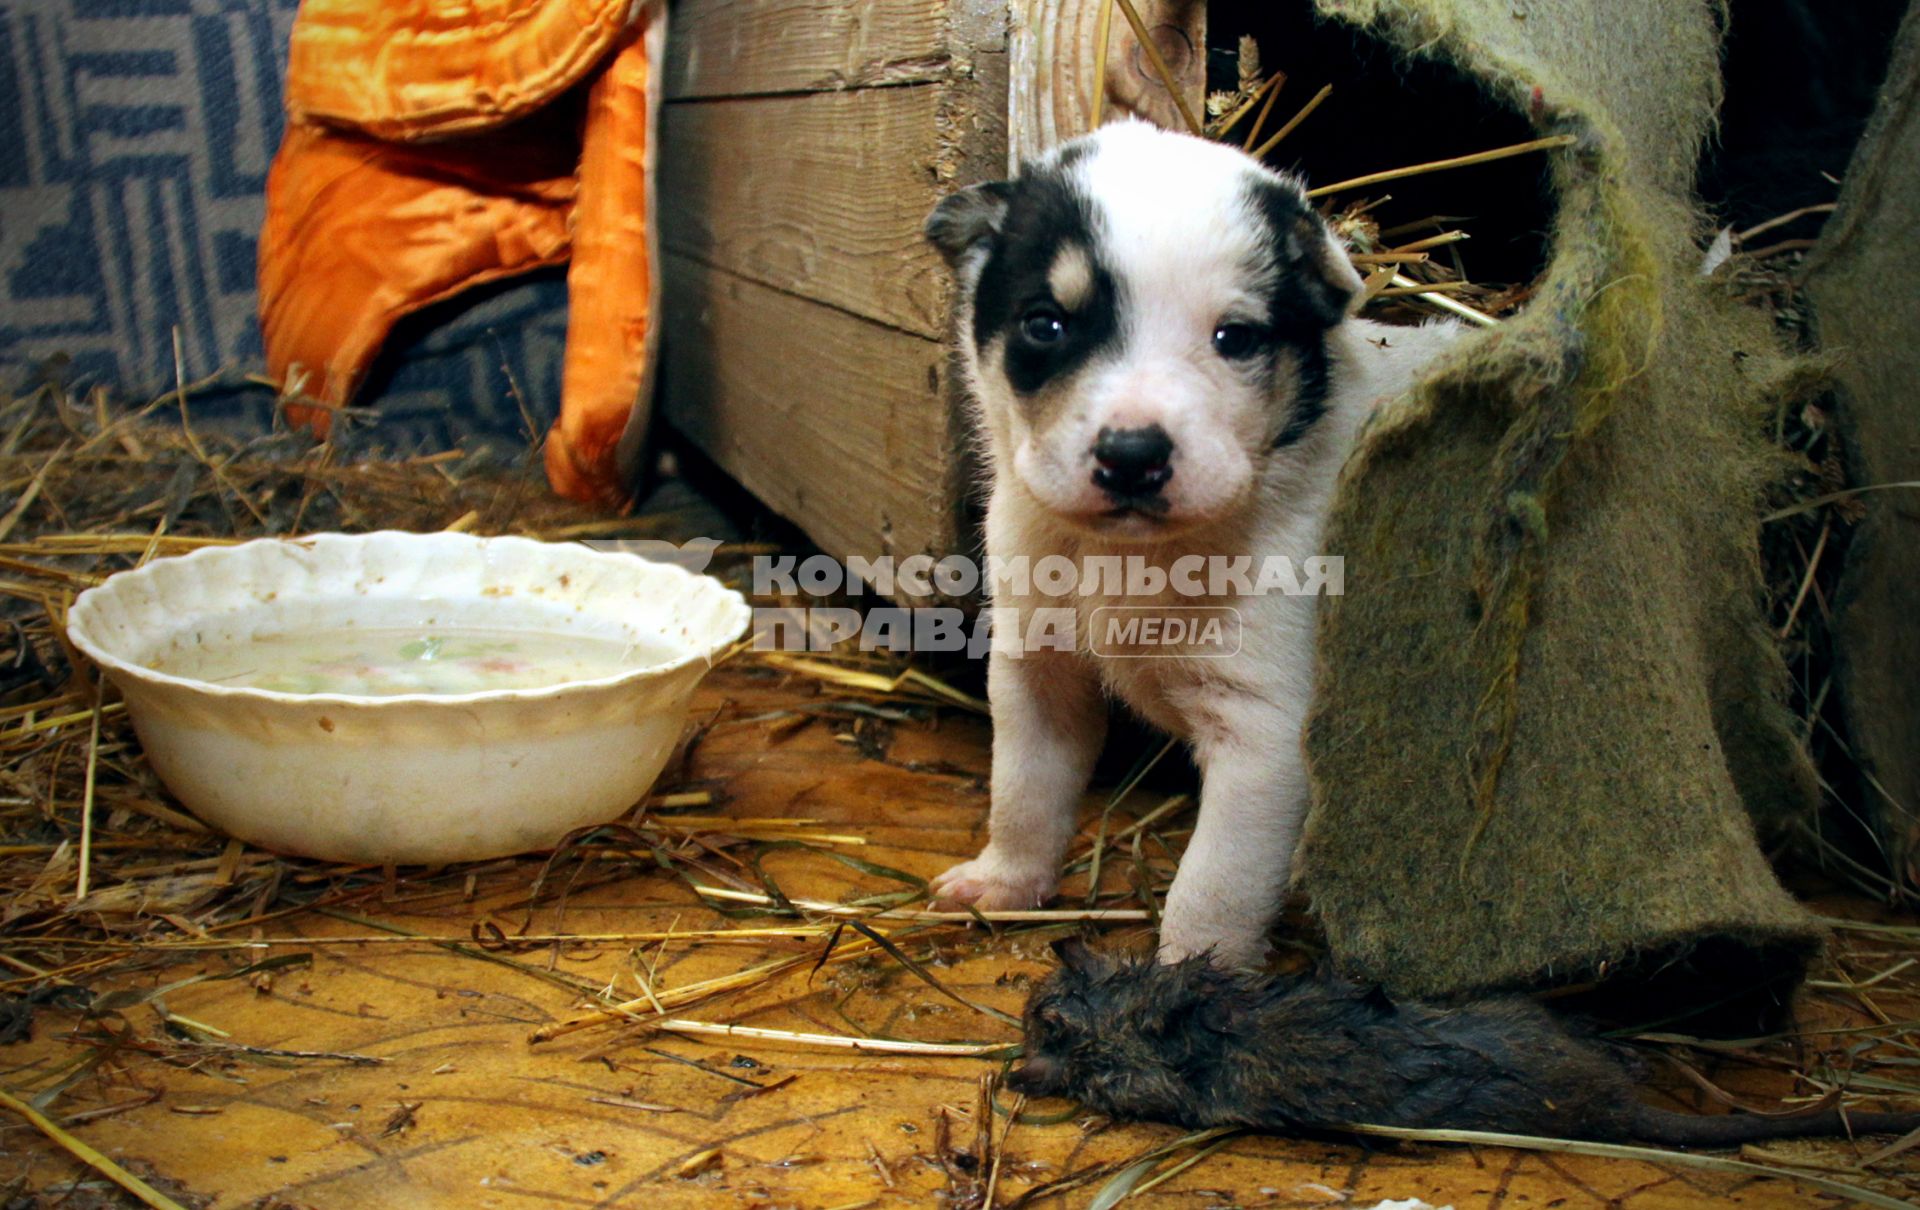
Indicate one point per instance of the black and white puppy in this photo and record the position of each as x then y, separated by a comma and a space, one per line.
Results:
1155, 332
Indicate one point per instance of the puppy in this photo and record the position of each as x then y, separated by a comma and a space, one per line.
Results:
1154, 329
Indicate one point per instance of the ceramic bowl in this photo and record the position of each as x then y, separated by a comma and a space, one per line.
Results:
437, 773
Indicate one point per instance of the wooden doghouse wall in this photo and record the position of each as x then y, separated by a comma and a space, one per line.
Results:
802, 144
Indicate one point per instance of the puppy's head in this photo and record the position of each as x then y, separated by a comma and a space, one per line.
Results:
1144, 319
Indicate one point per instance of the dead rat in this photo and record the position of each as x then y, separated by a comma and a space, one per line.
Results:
1194, 1045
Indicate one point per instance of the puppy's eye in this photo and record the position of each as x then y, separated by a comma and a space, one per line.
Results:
1236, 341
1043, 326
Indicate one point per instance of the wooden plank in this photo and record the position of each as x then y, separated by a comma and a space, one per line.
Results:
1054, 44
836, 423
722, 48
821, 195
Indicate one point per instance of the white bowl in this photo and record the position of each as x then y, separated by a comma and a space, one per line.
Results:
413, 777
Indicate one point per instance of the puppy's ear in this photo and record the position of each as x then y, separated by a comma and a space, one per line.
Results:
968, 218
1317, 283
1325, 283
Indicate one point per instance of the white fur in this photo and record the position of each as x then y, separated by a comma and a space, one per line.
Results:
1177, 233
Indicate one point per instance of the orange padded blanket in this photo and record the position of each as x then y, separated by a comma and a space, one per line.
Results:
432, 147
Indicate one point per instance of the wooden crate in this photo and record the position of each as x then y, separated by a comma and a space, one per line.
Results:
802, 144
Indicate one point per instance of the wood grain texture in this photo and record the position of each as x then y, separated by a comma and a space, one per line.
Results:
819, 195
1052, 44
730, 48
834, 422
803, 145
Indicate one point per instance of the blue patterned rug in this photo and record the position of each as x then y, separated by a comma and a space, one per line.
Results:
134, 142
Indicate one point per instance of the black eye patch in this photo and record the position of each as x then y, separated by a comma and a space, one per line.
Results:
1013, 301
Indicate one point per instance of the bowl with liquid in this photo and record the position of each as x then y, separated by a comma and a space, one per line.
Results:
407, 698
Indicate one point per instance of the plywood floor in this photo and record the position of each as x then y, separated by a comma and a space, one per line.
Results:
430, 1095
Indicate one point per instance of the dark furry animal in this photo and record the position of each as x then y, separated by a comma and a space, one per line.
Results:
1194, 1045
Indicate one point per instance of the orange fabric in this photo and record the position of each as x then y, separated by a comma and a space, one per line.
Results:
417, 69
360, 233
610, 285
367, 223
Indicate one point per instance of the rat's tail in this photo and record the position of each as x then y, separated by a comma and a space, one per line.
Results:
1732, 1129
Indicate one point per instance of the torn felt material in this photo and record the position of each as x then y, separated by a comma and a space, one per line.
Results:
1548, 721
1866, 319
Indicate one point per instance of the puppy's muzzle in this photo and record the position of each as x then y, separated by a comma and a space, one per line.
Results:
1132, 464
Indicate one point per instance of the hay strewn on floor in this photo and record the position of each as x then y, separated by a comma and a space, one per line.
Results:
772, 881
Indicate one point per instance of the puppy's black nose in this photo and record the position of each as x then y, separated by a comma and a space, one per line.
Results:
1132, 462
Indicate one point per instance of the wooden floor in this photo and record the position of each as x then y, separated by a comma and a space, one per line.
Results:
417, 1085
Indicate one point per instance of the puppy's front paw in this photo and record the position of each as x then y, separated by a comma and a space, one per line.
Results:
994, 885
